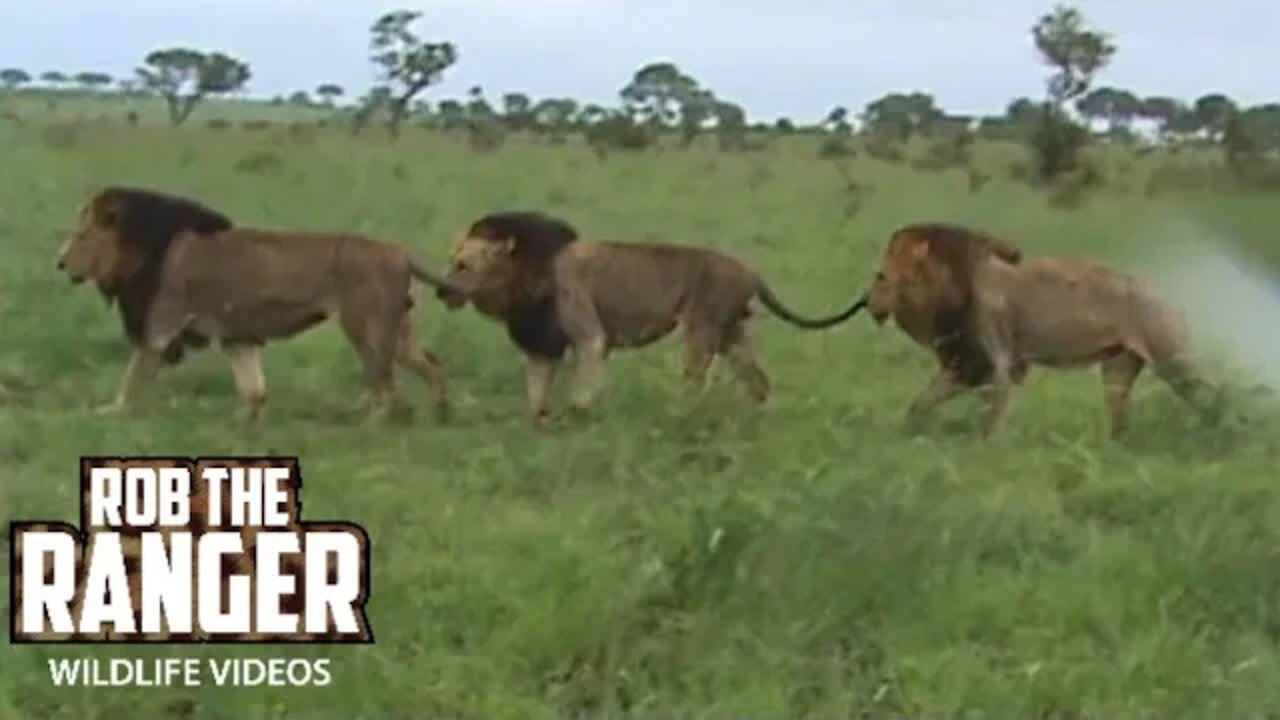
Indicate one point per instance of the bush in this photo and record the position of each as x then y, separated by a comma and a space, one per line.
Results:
618, 132
1055, 143
835, 147
885, 149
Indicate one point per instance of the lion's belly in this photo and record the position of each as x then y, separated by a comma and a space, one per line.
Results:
258, 322
637, 330
637, 321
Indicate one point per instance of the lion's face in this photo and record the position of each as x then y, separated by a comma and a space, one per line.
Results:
882, 299
902, 274
94, 251
474, 261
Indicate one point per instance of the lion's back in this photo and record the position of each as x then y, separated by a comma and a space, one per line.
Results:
293, 268
640, 288
1073, 298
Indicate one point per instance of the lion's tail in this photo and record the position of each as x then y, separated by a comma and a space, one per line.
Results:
775, 306
422, 273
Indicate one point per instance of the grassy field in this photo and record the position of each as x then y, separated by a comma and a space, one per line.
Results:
675, 558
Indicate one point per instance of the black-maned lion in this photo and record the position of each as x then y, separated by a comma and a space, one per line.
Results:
988, 314
184, 275
555, 291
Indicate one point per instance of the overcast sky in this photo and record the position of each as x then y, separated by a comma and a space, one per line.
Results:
775, 57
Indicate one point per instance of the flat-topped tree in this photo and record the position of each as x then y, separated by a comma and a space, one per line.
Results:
1117, 107
53, 78
12, 78
407, 64
901, 115
92, 81
329, 93
659, 92
184, 77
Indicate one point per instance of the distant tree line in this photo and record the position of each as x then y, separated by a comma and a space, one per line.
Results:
661, 101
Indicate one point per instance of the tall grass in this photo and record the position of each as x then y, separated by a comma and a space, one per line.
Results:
676, 557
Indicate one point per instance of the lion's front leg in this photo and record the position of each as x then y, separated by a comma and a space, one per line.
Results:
142, 367
539, 375
997, 407
576, 313
997, 342
251, 383
997, 393
589, 359
940, 389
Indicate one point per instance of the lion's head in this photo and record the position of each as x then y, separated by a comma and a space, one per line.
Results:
925, 282
503, 259
121, 240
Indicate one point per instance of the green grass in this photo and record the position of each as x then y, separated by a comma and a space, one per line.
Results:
673, 558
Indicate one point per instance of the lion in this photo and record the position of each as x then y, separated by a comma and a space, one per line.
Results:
555, 291
988, 314
183, 275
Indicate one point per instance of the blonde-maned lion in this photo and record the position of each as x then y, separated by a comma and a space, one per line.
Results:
988, 314
183, 275
554, 291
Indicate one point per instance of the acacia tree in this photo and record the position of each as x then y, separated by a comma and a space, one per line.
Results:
451, 115
901, 114
370, 104
53, 78
658, 92
517, 111
697, 106
1117, 107
184, 77
837, 121
1212, 111
12, 78
554, 117
1076, 52
91, 81
329, 93
589, 115
731, 126
407, 64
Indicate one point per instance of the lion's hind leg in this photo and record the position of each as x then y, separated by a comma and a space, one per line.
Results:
739, 351
701, 343
375, 340
425, 365
942, 387
1120, 370
1181, 376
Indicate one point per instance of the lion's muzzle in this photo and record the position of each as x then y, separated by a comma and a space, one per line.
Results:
452, 299
75, 277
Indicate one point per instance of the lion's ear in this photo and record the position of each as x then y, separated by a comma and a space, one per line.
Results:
109, 215
508, 246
